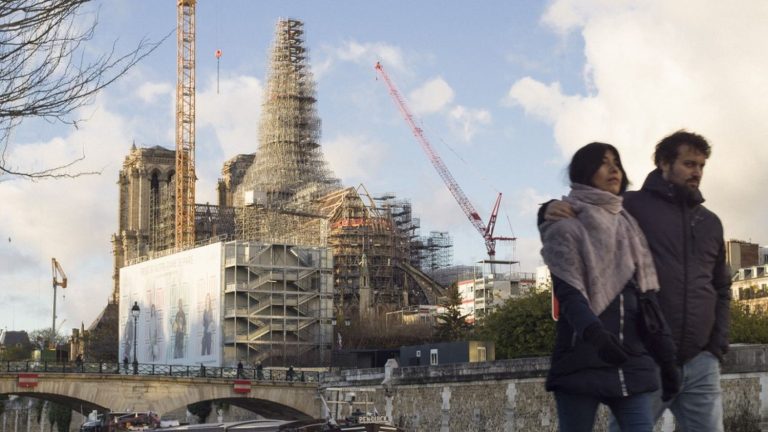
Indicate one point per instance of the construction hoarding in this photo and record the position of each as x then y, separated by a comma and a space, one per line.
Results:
179, 297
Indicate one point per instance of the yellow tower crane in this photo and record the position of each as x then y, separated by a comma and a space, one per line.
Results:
185, 124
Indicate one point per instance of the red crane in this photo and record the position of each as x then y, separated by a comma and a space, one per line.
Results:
445, 174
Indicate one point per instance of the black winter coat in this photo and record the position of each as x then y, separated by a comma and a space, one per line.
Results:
575, 366
686, 241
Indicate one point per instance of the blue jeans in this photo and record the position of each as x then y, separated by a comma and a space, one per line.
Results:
699, 405
576, 413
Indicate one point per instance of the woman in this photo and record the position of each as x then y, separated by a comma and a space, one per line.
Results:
601, 266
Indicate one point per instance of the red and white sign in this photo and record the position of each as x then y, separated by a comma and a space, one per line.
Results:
28, 380
242, 386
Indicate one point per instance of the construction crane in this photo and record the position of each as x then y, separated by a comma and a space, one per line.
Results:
59, 280
445, 174
185, 124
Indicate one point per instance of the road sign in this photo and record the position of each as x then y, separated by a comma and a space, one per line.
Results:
28, 380
241, 386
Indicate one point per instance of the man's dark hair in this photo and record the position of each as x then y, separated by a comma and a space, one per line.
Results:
668, 148
588, 159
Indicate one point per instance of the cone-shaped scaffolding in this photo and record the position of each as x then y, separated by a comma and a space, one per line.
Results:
289, 164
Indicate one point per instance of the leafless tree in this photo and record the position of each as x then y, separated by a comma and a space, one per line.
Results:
46, 73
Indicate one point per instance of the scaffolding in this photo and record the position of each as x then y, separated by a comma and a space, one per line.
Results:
233, 173
435, 251
278, 304
289, 163
162, 205
285, 194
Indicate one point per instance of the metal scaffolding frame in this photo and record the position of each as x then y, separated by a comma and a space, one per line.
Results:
285, 194
278, 304
289, 167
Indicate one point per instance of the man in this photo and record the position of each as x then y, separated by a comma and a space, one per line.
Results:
686, 240
259, 371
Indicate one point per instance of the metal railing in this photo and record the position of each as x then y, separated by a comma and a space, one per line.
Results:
191, 371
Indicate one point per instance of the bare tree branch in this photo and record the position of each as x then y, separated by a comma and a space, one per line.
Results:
45, 73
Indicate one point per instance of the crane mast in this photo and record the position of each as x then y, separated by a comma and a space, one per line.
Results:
59, 280
185, 124
445, 174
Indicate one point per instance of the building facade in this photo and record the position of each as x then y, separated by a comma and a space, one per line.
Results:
228, 302
749, 285
740, 254
488, 291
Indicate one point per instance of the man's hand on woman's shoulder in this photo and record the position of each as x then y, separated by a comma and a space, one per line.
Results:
555, 210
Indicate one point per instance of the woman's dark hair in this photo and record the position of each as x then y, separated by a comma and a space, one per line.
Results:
588, 159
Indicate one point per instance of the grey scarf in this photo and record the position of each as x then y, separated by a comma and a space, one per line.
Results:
600, 250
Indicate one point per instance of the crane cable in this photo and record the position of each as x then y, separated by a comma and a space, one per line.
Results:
218, 50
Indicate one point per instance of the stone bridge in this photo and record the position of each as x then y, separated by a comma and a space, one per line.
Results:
84, 392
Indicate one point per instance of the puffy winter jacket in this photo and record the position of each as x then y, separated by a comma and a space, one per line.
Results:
576, 367
686, 241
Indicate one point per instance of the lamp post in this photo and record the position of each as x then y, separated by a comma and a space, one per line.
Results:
135, 311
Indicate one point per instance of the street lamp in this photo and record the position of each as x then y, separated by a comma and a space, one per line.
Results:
135, 311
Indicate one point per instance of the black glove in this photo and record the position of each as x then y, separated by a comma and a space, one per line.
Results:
670, 381
608, 347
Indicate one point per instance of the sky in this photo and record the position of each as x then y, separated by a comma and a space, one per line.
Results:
505, 92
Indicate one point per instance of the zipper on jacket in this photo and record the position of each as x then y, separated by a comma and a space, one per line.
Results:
684, 213
622, 382
621, 318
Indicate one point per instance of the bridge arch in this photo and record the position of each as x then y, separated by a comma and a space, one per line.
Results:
162, 394
262, 407
84, 407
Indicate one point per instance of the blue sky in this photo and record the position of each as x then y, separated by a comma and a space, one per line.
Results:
505, 91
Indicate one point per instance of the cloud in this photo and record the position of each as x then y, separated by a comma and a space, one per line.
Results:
431, 97
435, 96
362, 53
655, 67
566, 15
466, 121
232, 113
362, 165
69, 219
148, 92
369, 53
529, 200
544, 101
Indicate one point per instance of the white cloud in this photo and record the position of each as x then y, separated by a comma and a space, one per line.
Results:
527, 252
70, 219
149, 92
655, 67
366, 54
566, 15
431, 97
544, 101
370, 53
362, 165
232, 113
528, 201
467, 121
